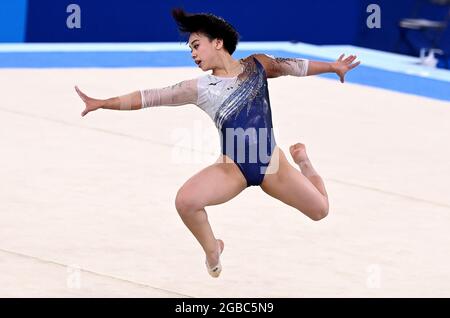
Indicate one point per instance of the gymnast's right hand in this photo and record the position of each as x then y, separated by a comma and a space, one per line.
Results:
91, 103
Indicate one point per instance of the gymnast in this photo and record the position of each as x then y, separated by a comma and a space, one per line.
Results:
235, 95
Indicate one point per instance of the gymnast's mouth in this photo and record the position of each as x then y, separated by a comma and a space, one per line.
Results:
198, 62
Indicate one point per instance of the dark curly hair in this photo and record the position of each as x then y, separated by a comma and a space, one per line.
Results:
212, 26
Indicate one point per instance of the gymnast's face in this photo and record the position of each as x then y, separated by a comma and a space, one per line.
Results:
204, 51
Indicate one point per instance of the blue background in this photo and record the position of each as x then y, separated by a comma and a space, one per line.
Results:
316, 22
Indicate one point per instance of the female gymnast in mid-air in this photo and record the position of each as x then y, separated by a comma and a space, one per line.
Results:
235, 95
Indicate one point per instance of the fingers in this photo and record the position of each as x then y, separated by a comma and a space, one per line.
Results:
78, 90
350, 59
346, 65
80, 93
354, 65
83, 97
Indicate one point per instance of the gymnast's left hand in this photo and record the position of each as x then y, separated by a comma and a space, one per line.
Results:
341, 66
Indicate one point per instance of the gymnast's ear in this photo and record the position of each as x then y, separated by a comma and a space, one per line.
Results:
218, 43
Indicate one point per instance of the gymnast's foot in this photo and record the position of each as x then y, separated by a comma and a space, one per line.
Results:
214, 258
298, 153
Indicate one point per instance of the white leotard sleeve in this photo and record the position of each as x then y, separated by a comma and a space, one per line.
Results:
179, 94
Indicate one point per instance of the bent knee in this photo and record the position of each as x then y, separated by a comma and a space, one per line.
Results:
186, 203
320, 213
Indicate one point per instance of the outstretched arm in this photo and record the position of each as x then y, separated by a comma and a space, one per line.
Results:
179, 94
276, 67
341, 66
